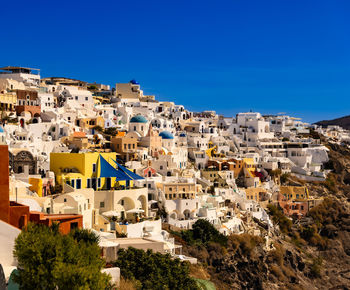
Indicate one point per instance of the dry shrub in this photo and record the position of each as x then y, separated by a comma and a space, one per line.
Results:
244, 243
277, 272
127, 284
199, 272
297, 240
294, 287
278, 254
288, 272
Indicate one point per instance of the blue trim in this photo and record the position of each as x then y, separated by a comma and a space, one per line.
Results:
107, 170
128, 172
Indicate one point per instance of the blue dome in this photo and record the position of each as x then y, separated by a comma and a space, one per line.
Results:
1, 129
138, 119
166, 135
134, 82
182, 135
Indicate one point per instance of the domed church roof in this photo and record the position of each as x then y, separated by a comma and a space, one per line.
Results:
138, 119
166, 135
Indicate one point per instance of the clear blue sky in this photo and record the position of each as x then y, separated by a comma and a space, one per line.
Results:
269, 56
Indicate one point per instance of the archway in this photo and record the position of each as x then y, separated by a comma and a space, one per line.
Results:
187, 214
127, 203
143, 202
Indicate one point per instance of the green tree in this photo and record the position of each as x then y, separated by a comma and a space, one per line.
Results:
204, 231
154, 270
98, 128
111, 131
50, 260
279, 218
85, 235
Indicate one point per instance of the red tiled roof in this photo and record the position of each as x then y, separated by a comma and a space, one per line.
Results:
79, 134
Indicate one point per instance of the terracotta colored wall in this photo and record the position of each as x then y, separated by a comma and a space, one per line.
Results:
22, 94
4, 184
31, 109
64, 221
19, 215
65, 225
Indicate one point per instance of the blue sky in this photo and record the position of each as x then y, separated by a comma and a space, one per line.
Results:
230, 56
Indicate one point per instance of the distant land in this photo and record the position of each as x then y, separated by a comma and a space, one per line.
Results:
343, 122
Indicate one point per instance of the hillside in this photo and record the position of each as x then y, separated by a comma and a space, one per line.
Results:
342, 122
308, 256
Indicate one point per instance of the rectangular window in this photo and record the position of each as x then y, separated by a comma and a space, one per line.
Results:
99, 182
108, 183
78, 183
88, 183
94, 167
72, 183
102, 204
86, 98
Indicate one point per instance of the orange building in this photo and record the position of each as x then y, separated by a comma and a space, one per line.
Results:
67, 222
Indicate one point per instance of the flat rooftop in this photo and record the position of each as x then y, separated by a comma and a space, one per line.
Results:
125, 241
19, 69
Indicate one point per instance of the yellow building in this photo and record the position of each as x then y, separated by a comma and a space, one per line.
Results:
8, 101
36, 185
256, 193
90, 123
218, 177
240, 164
294, 192
179, 190
99, 171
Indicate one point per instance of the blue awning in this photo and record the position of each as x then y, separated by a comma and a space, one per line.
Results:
107, 170
133, 175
